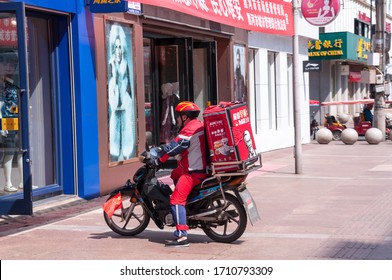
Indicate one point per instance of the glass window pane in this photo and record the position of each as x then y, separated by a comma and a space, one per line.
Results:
169, 91
10, 155
41, 127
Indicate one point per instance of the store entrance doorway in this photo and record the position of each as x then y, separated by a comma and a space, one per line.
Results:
176, 69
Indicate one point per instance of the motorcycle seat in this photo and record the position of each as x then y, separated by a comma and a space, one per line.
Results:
211, 182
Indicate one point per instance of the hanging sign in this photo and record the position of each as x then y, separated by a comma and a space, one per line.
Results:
339, 45
312, 66
135, 8
320, 13
9, 124
266, 16
108, 6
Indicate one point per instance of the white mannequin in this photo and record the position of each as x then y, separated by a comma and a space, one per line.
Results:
7, 161
7, 165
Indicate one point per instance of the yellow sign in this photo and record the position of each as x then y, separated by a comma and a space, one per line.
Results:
9, 124
339, 45
325, 53
108, 6
106, 2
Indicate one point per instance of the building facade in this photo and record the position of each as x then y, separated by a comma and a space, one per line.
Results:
84, 91
340, 77
271, 73
94, 88
175, 57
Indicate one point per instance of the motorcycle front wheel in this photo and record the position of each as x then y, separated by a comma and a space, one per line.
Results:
130, 220
230, 224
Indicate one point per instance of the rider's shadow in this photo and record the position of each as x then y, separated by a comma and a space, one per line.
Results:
159, 237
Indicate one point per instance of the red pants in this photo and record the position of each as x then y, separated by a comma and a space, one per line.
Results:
184, 183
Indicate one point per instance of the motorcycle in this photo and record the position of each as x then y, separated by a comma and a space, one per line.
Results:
361, 125
314, 127
334, 126
388, 121
219, 205
388, 126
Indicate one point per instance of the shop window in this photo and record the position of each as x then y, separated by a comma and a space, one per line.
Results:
289, 86
272, 90
333, 75
148, 91
41, 115
361, 28
200, 79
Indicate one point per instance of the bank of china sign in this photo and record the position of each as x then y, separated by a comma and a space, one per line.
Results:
340, 46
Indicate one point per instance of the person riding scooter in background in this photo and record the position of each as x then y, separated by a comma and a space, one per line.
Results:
367, 113
190, 148
331, 120
314, 127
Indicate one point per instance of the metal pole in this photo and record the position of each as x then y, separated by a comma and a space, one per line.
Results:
379, 47
296, 92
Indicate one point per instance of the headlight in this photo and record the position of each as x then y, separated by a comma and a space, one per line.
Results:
142, 156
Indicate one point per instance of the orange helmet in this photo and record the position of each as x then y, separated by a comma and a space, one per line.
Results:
188, 108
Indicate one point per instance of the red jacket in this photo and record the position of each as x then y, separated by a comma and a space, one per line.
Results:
189, 147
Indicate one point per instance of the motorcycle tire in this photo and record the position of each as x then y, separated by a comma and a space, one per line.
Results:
233, 224
131, 220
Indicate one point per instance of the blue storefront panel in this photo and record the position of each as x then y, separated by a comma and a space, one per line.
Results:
80, 110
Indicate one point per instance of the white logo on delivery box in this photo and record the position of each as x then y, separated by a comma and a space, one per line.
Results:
241, 116
216, 123
218, 132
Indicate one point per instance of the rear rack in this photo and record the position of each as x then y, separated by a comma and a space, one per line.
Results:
221, 177
245, 167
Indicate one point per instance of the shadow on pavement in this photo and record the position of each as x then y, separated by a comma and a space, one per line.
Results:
159, 237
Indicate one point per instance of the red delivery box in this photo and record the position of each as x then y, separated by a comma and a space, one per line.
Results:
229, 135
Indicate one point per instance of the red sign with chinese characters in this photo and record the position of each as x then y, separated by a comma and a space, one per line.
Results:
363, 16
8, 33
266, 16
242, 132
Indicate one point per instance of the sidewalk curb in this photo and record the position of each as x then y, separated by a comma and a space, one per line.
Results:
48, 212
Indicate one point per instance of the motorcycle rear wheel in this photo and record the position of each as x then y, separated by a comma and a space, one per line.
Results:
131, 220
231, 227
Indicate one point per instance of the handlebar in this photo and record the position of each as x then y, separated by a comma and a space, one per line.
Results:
150, 155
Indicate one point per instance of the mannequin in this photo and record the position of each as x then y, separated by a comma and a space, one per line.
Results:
9, 138
168, 115
7, 167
